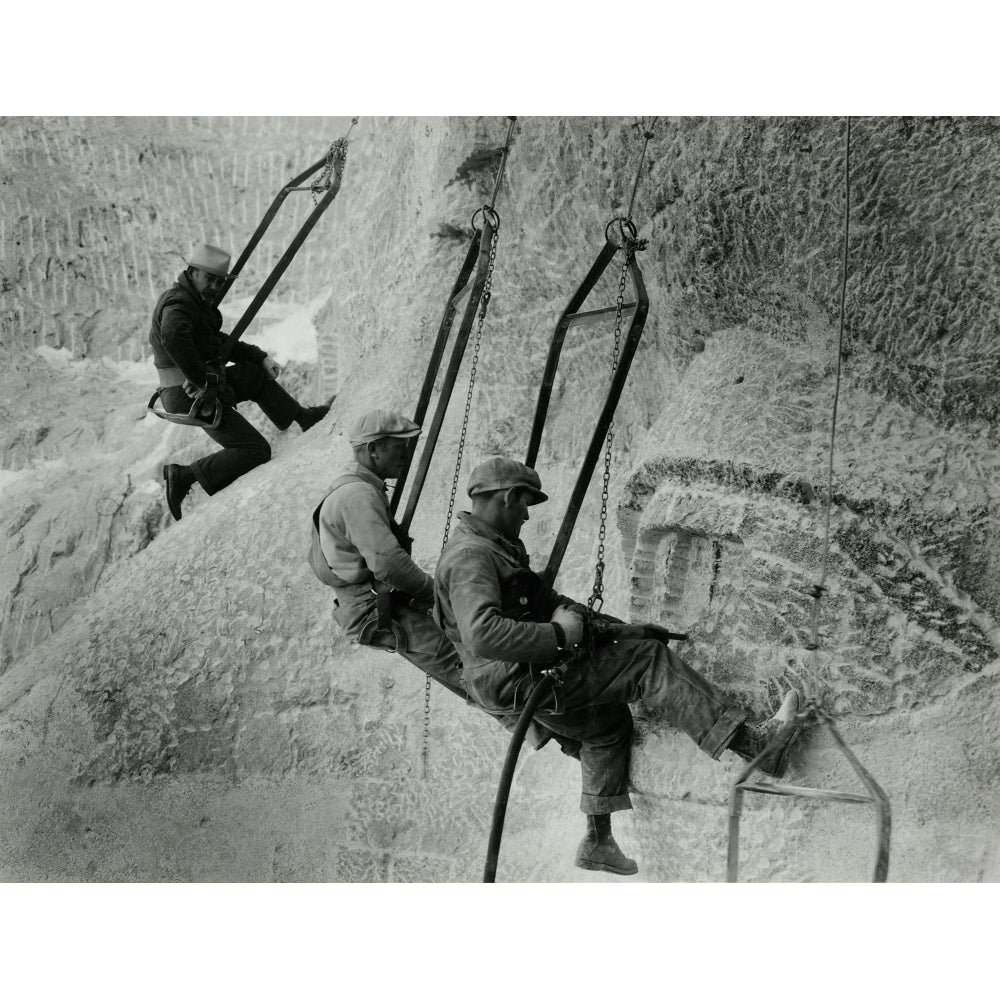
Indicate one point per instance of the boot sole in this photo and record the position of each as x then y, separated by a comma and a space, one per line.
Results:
597, 866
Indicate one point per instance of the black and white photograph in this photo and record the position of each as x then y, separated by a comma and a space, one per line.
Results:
575, 501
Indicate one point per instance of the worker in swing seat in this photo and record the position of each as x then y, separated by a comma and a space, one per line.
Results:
478, 580
383, 598
368, 560
186, 339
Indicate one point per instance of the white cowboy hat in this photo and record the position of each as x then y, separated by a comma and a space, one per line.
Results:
211, 259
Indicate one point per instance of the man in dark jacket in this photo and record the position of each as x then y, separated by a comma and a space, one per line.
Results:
364, 560
186, 337
476, 584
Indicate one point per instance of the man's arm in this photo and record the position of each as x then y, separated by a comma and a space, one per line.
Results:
366, 525
177, 335
472, 586
247, 352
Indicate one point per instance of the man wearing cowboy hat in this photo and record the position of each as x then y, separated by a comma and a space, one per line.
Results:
476, 585
186, 339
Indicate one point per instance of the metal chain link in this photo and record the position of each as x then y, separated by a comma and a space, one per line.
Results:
335, 157
484, 303
596, 599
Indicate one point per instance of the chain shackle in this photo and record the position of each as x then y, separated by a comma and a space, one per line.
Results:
489, 215
626, 230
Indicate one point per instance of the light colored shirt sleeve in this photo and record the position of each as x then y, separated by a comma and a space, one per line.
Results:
356, 539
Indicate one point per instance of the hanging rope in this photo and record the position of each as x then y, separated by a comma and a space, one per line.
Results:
647, 135
504, 151
820, 588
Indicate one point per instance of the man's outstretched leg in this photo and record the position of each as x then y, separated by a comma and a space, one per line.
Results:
751, 740
250, 382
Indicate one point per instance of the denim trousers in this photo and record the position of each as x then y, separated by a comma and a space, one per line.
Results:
591, 706
243, 446
430, 651
426, 646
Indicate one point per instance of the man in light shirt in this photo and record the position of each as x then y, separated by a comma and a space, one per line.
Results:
383, 598
369, 566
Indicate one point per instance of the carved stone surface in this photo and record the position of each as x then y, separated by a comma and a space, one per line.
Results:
198, 716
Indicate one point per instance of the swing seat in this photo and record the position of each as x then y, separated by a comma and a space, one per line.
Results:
189, 419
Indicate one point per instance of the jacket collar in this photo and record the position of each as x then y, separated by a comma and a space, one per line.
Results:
477, 526
185, 285
357, 469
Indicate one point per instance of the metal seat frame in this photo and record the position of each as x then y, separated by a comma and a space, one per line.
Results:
295, 184
876, 796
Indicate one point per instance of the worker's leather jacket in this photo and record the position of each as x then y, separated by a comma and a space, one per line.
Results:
485, 596
186, 333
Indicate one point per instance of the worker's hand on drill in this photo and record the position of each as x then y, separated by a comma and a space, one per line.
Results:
572, 624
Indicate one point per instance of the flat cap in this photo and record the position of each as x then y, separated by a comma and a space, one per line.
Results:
377, 424
504, 473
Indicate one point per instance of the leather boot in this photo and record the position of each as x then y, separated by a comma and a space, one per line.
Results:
750, 740
598, 851
309, 416
178, 479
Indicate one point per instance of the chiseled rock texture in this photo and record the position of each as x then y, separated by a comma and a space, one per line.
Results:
198, 716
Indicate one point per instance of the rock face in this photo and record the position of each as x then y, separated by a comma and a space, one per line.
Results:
198, 716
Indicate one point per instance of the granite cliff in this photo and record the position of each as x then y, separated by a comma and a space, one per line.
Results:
175, 703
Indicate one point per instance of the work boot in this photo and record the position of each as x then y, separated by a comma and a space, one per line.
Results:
598, 851
750, 740
309, 416
179, 479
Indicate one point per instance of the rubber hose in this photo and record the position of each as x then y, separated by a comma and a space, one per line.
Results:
507, 774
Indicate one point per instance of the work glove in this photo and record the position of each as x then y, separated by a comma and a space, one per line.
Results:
271, 367
571, 623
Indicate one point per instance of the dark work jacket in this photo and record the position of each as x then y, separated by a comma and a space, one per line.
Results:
186, 333
488, 605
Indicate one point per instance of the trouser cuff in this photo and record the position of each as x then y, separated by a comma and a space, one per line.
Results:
718, 737
203, 482
597, 805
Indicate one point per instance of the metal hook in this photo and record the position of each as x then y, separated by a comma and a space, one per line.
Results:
489, 215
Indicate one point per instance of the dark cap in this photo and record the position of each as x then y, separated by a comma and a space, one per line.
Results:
377, 424
504, 473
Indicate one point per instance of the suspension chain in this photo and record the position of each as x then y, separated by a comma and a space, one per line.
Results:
483, 305
335, 158
596, 599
